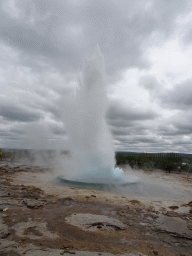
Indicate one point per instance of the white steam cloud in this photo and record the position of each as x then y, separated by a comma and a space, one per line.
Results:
91, 143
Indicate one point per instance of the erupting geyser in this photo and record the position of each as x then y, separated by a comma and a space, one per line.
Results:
91, 143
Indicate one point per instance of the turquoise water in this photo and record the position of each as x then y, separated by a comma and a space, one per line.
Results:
138, 188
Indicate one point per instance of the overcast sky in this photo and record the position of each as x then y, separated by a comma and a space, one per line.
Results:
148, 57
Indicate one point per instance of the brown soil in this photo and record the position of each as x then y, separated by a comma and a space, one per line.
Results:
37, 217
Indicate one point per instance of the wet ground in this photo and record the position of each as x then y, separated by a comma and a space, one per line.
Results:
40, 217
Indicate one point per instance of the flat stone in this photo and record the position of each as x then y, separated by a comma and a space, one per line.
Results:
93, 222
32, 203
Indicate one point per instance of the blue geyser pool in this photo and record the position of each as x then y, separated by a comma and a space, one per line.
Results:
135, 187
114, 184
118, 180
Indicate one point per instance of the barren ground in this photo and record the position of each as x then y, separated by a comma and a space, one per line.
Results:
38, 217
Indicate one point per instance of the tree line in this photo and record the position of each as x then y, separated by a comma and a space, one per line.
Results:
160, 160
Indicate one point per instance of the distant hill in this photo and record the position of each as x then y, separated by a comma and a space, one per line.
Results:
139, 153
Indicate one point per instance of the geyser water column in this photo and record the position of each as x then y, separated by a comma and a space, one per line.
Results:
91, 143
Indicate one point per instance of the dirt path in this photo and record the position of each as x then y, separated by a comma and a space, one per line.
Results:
38, 217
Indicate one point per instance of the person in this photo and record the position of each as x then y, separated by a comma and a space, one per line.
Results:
1, 155
179, 168
169, 167
132, 164
152, 166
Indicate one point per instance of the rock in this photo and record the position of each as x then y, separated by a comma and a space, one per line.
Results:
135, 202
67, 251
4, 233
174, 207
34, 204
65, 199
171, 214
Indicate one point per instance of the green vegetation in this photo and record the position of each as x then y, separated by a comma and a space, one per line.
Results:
138, 160
161, 160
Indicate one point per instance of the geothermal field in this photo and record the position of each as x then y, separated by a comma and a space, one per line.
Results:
81, 203
42, 216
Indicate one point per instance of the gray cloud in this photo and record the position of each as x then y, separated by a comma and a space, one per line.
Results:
130, 126
187, 38
14, 111
62, 33
179, 97
121, 116
43, 47
150, 83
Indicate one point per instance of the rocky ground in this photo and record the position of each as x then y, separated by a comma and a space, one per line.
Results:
38, 217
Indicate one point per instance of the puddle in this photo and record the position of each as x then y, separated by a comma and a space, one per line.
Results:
174, 224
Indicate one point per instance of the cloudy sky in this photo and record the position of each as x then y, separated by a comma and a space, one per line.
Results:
148, 55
